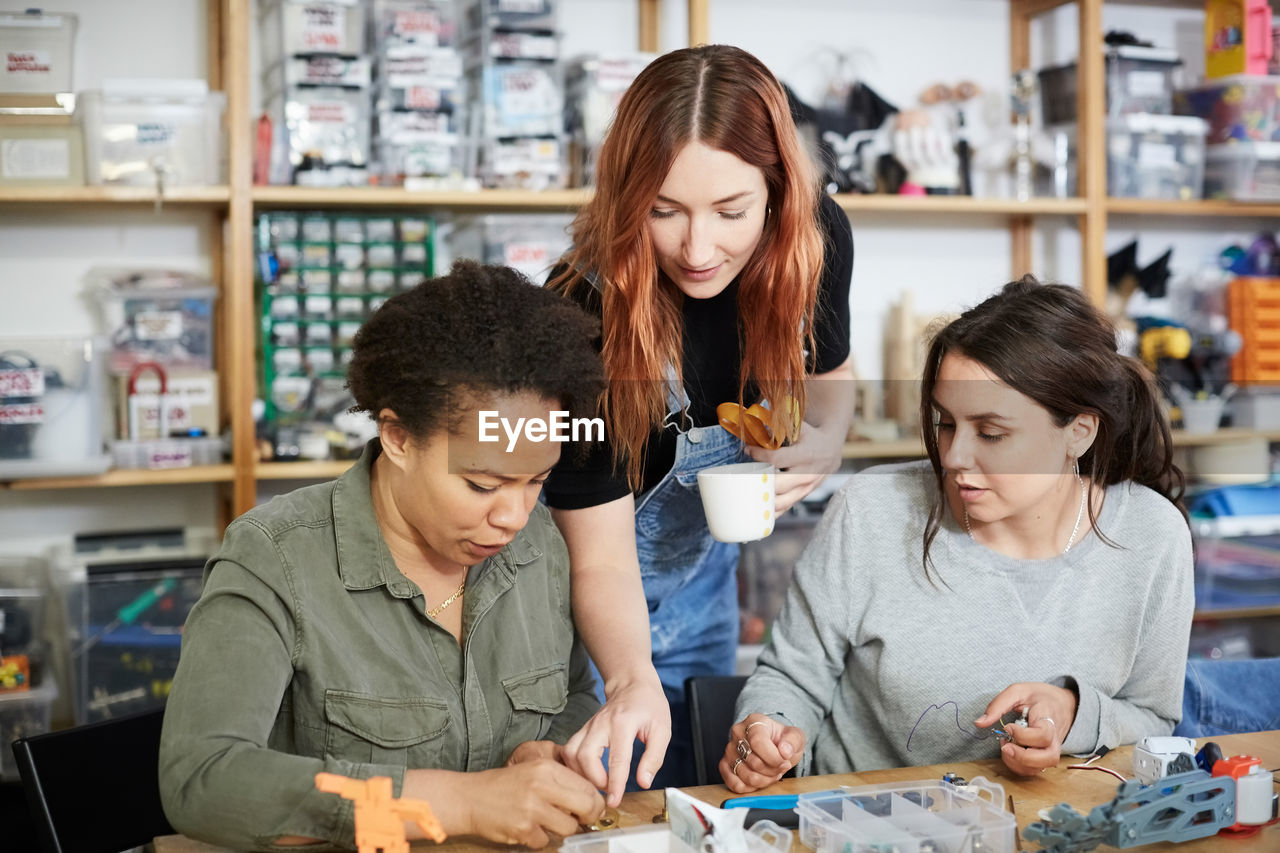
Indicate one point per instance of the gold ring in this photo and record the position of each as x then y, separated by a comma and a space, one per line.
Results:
734, 768
747, 733
744, 749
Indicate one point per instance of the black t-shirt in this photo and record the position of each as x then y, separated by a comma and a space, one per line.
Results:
712, 358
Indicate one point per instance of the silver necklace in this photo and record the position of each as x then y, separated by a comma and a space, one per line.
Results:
1084, 495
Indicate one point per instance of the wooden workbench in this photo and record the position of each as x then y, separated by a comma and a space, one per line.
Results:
1083, 789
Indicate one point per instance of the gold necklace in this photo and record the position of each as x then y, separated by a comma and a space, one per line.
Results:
435, 611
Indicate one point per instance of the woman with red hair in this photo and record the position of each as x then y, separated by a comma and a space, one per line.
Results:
721, 273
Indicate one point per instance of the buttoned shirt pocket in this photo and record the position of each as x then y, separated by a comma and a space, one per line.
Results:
373, 729
536, 696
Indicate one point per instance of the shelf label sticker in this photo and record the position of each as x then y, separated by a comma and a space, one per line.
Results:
1146, 84
22, 382
422, 98
157, 325
21, 413
1157, 154
530, 258
158, 134
28, 62
35, 159
331, 112
324, 28
420, 27
169, 455
530, 7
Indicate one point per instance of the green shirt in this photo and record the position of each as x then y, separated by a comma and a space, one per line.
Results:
309, 650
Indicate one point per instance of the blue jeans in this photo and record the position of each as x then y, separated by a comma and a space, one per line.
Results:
690, 585
1230, 696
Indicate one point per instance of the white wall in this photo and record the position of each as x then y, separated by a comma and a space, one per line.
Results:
898, 48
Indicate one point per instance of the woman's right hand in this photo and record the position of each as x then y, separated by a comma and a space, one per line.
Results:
526, 802
772, 750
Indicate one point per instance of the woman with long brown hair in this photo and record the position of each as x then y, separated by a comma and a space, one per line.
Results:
1037, 566
721, 274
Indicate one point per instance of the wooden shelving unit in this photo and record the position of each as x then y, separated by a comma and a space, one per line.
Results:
234, 204
129, 477
177, 196
913, 448
387, 197
1205, 207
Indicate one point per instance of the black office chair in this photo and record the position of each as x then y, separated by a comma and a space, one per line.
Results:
95, 788
710, 699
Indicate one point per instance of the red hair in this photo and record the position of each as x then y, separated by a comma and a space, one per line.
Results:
728, 100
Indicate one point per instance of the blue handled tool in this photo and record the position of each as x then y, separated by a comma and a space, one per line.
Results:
779, 808
772, 801
128, 614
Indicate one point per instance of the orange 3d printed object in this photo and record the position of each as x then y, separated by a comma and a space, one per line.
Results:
379, 816
750, 423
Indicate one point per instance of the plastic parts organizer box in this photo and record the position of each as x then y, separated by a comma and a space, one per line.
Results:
1253, 310
907, 817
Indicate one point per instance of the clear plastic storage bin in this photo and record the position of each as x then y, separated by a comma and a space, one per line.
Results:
1155, 156
429, 23
907, 817
1243, 171
23, 713
40, 142
1242, 107
155, 315
293, 27
531, 243
52, 400
148, 132
1139, 80
127, 596
488, 15
36, 49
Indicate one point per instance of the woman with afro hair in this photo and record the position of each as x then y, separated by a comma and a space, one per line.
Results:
412, 618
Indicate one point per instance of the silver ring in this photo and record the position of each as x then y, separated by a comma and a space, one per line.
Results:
734, 768
744, 749
747, 733
1051, 722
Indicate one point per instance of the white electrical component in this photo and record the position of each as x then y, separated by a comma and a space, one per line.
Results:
1157, 757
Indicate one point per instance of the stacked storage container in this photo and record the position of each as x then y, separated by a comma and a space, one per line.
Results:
1253, 310
1243, 156
1240, 102
320, 276
40, 143
513, 78
27, 683
317, 91
593, 87
418, 102
1150, 152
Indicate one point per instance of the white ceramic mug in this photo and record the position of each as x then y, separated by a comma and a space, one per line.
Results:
738, 500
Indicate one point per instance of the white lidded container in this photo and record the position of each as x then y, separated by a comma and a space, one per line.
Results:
139, 132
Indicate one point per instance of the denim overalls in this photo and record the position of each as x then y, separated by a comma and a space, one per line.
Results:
690, 581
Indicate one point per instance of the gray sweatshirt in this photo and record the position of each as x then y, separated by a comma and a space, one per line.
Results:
880, 668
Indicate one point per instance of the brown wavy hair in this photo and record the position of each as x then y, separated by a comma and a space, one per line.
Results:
1049, 342
728, 100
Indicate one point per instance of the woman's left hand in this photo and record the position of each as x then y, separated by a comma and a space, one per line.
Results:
635, 710
803, 465
1050, 713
